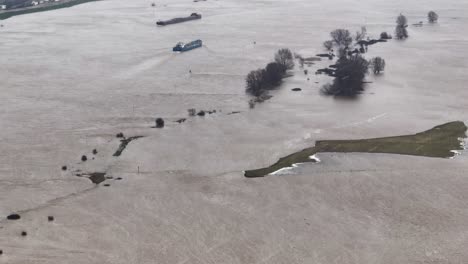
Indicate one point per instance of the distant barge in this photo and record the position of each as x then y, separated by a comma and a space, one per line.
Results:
193, 16
181, 47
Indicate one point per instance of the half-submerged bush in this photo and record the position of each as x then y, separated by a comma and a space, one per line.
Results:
192, 112
400, 31
385, 35
377, 64
432, 17
159, 122
349, 76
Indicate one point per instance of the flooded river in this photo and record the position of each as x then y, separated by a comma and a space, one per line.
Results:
71, 79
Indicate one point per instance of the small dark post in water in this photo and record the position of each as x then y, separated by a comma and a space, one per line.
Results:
50, 218
23, 233
159, 123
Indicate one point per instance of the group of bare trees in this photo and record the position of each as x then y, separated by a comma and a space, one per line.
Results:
261, 81
401, 31
350, 69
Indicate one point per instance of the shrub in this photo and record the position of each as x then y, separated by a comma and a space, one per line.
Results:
385, 35
432, 17
159, 122
64, 168
120, 135
378, 65
192, 111
95, 151
50, 218
284, 57
342, 37
84, 158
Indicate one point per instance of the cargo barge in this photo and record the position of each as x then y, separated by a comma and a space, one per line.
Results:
193, 16
181, 47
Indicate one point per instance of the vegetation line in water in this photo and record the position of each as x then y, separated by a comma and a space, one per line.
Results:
439, 142
44, 7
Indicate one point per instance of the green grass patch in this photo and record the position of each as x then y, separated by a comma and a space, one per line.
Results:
438, 142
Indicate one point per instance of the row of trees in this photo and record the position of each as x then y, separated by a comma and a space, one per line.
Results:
402, 23
260, 81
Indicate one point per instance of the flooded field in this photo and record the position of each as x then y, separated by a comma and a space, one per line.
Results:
72, 79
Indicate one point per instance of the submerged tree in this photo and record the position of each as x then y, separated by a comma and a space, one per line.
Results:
360, 35
349, 76
328, 45
400, 31
256, 82
284, 57
432, 17
273, 74
385, 35
378, 65
342, 37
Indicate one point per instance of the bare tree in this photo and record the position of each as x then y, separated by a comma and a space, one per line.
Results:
328, 44
256, 82
360, 35
402, 23
342, 37
284, 57
378, 65
432, 17
301, 59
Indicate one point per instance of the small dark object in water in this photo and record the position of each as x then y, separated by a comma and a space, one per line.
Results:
94, 151
296, 89
192, 112
119, 178
84, 158
23, 233
234, 112
64, 168
1, 252
201, 113
109, 177
159, 122
306, 72
50, 218
180, 121
120, 135
106, 185
97, 177
13, 217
